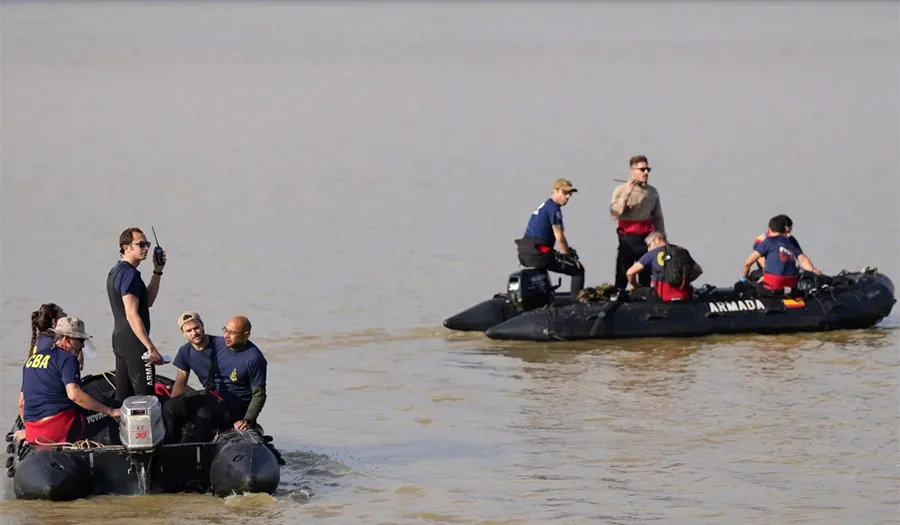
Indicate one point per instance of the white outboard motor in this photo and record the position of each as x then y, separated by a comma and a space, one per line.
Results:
141, 427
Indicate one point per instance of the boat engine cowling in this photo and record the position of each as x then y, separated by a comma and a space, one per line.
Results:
529, 289
141, 425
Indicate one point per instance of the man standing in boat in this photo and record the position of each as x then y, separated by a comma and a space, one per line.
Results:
637, 208
52, 404
545, 229
130, 301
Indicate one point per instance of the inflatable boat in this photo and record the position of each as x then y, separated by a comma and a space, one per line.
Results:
234, 462
529, 312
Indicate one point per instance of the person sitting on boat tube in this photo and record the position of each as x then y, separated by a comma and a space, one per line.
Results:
545, 229
782, 256
231, 400
51, 402
672, 268
755, 275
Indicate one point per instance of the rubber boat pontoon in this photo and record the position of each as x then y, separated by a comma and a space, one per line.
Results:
233, 463
530, 311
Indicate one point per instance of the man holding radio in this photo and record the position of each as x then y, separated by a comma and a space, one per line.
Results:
130, 300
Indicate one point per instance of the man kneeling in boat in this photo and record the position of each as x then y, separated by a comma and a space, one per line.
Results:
232, 400
756, 274
782, 255
51, 392
672, 268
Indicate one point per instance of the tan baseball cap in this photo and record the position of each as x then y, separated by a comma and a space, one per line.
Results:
564, 185
188, 316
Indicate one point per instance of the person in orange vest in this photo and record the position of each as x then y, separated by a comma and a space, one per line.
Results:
637, 209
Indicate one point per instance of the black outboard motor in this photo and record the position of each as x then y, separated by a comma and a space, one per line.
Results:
529, 289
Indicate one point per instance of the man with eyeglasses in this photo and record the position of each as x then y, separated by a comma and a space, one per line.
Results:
130, 300
232, 371
636, 206
545, 229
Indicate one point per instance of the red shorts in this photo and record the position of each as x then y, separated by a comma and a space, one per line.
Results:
54, 428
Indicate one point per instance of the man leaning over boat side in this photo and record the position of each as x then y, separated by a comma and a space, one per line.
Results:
52, 404
228, 399
544, 230
672, 269
637, 209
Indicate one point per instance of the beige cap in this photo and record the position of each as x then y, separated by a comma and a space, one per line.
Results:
188, 316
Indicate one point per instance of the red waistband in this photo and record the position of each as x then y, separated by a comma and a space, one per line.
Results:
543, 248
667, 292
635, 227
779, 282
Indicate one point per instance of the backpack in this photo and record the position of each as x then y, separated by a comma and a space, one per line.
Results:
677, 266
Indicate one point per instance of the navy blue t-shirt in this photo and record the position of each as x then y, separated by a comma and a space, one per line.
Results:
42, 343
44, 379
781, 255
540, 225
129, 281
765, 236
190, 359
236, 372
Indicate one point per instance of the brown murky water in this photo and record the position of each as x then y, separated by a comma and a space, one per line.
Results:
348, 175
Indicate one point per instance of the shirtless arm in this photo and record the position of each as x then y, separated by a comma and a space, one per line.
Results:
83, 400
632, 272
561, 238
137, 326
807, 265
180, 382
754, 255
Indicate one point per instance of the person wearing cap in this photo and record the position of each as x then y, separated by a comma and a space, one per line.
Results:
130, 301
636, 208
52, 404
227, 400
545, 229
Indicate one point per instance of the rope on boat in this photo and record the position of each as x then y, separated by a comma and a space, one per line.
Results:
84, 444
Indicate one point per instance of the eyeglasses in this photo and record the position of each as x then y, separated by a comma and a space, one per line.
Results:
142, 244
643, 169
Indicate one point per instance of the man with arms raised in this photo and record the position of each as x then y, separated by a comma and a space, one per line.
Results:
130, 301
51, 392
636, 207
545, 229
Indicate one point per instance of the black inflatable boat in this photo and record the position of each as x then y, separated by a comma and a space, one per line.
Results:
233, 463
530, 312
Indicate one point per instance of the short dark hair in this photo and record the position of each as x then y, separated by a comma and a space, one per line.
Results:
636, 159
126, 238
778, 223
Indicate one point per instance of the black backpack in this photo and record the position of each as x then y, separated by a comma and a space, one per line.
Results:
677, 266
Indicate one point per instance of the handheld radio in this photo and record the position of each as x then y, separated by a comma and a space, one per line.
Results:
158, 254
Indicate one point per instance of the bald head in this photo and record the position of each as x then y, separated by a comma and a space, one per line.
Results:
237, 332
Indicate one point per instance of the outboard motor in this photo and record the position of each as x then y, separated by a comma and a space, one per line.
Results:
141, 426
529, 289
